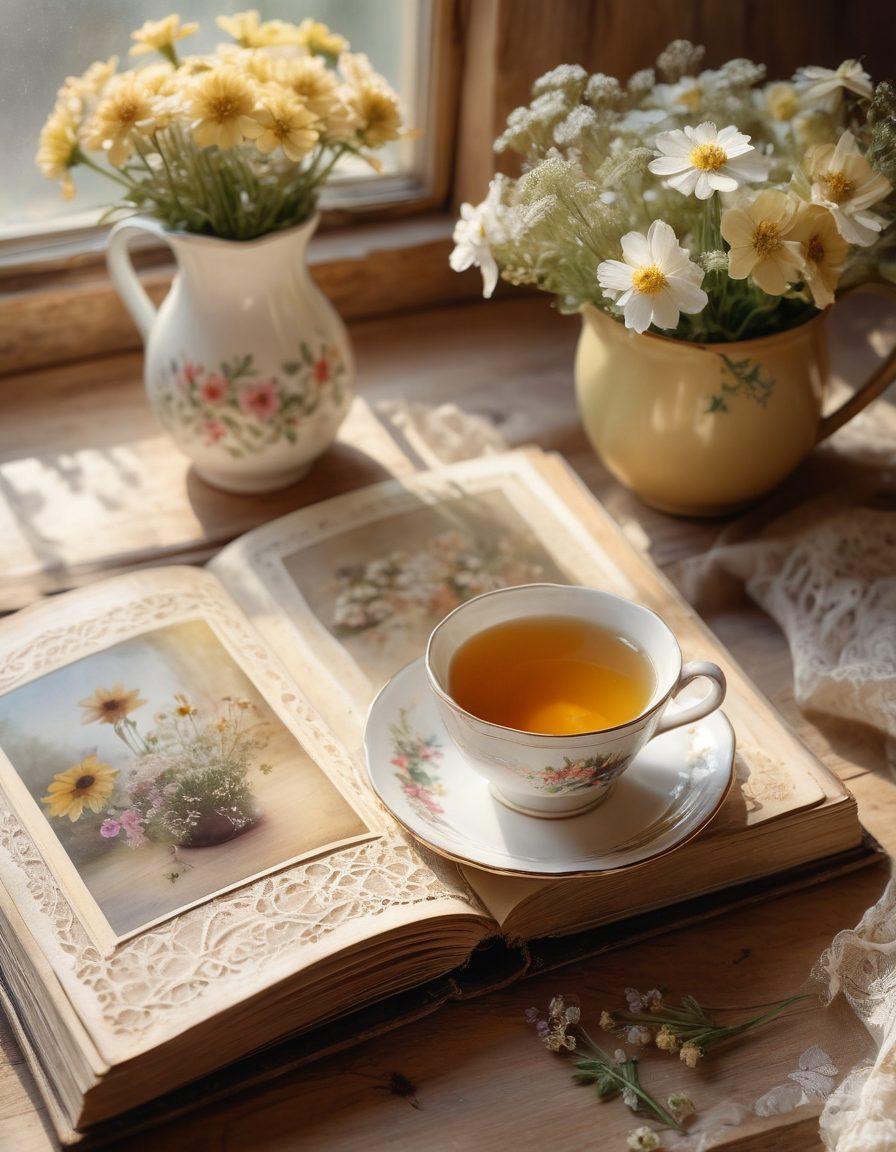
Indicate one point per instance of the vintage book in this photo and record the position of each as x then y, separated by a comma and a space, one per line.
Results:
193, 866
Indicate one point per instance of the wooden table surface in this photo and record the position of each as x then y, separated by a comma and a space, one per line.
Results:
88, 484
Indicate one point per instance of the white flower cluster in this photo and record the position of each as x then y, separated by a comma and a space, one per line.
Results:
700, 202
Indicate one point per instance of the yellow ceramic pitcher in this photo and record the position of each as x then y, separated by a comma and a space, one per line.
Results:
704, 429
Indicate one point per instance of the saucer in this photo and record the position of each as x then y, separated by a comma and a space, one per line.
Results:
669, 792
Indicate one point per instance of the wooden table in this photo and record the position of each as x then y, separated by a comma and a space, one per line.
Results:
88, 485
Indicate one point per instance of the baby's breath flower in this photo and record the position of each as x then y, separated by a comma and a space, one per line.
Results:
603, 91
680, 58
690, 1053
608, 1024
566, 78
643, 1139
640, 83
630, 1099
638, 1034
714, 261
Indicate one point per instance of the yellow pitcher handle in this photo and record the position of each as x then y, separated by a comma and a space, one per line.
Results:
882, 376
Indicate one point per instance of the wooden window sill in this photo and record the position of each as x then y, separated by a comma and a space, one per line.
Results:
89, 483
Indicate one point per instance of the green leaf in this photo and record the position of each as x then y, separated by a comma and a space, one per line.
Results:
306, 353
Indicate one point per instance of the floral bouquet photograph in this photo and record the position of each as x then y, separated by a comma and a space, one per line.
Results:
703, 222
223, 155
163, 775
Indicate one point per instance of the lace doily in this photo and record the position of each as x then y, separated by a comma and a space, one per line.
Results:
860, 964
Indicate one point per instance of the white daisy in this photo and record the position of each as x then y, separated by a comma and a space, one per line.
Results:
824, 88
655, 281
478, 226
845, 183
703, 160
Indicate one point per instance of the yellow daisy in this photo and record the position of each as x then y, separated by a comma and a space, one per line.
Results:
283, 122
308, 78
379, 113
221, 104
249, 31
88, 783
160, 35
319, 40
761, 244
127, 107
824, 251
109, 705
57, 152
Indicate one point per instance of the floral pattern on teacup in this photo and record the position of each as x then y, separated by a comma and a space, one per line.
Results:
235, 408
576, 775
417, 759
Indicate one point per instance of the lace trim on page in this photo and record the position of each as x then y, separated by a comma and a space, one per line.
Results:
149, 982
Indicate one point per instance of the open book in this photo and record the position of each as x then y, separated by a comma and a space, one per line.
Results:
193, 866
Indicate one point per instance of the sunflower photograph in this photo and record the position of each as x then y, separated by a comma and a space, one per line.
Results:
164, 775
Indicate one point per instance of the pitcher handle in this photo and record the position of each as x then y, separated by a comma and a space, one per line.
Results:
690, 713
882, 376
124, 277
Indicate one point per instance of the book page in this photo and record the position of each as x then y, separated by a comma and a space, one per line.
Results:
166, 791
348, 591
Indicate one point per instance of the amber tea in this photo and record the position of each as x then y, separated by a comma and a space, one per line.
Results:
553, 675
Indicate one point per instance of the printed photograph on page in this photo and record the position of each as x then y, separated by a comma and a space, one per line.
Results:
164, 775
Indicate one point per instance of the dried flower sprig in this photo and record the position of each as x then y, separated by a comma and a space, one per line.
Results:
688, 1028
562, 1031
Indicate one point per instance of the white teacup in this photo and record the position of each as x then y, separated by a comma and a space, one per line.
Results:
552, 776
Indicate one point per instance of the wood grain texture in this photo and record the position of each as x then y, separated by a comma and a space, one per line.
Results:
87, 483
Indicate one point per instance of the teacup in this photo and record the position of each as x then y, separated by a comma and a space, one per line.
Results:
552, 776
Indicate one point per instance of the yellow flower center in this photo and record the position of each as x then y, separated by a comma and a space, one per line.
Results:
84, 782
708, 157
766, 239
649, 280
815, 250
281, 128
128, 112
838, 186
223, 108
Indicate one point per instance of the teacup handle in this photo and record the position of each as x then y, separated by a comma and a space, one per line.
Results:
880, 378
696, 711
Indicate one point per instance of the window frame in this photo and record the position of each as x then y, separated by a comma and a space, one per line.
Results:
79, 239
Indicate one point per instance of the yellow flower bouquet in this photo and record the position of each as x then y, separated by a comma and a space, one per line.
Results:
234, 144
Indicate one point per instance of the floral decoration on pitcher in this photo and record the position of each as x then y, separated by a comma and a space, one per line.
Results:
417, 759
575, 775
741, 378
235, 408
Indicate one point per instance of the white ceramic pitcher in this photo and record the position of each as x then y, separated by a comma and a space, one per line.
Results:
248, 366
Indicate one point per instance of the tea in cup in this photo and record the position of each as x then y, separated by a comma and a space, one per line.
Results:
550, 691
